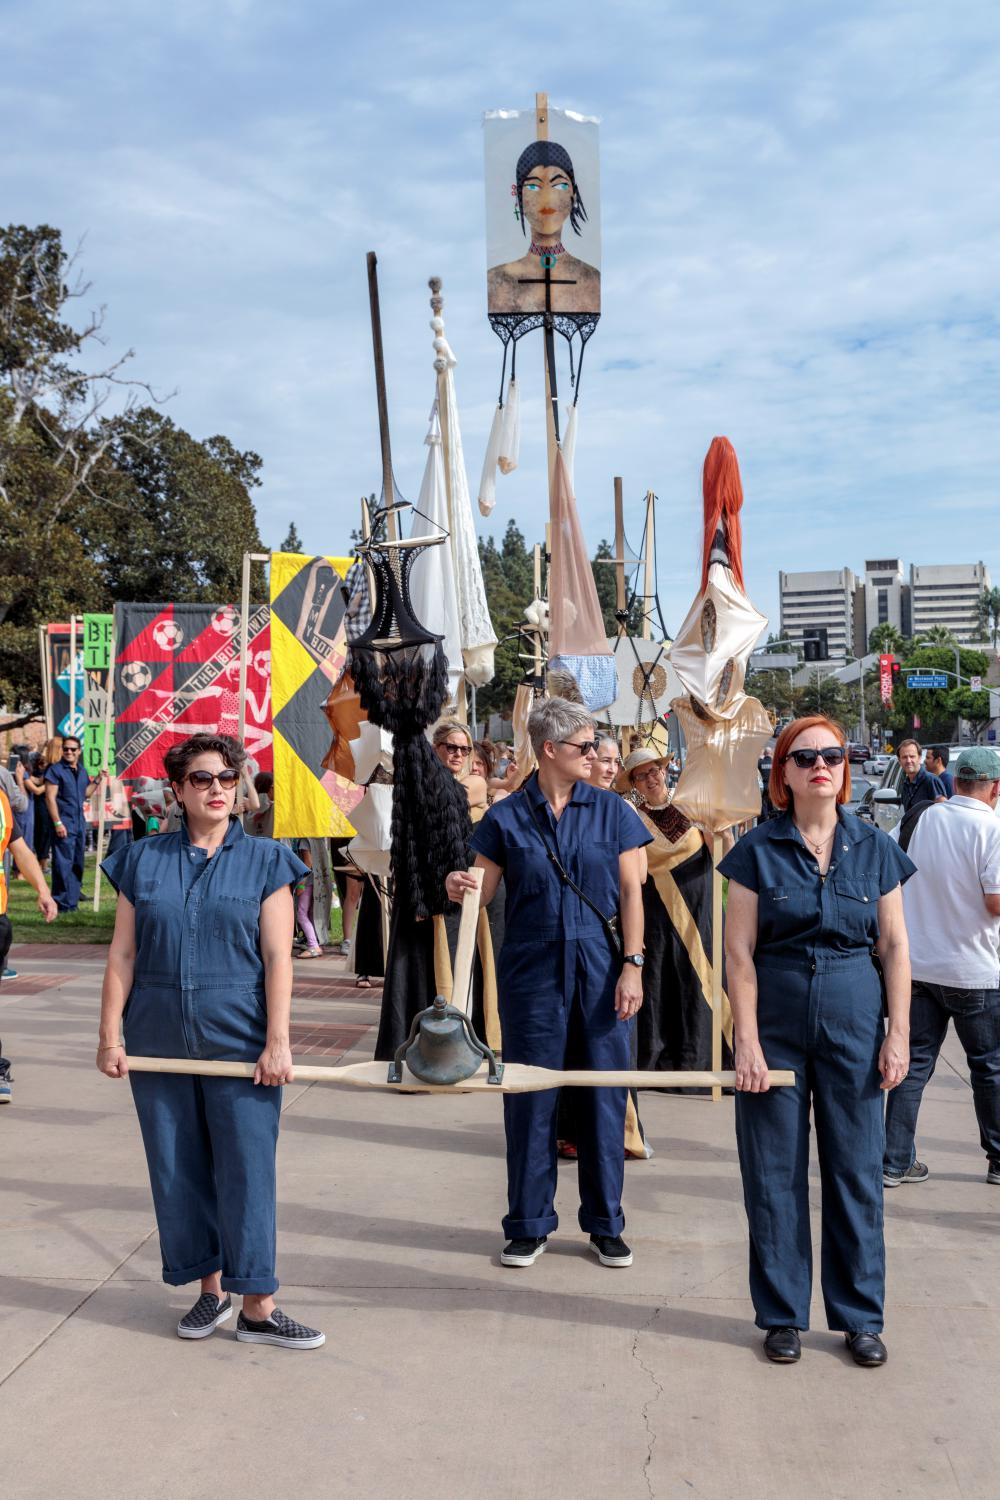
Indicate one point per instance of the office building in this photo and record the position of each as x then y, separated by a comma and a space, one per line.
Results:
948, 595
850, 608
819, 601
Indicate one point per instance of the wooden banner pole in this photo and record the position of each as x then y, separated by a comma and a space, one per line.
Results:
102, 787
244, 645
43, 657
388, 491
72, 677
619, 555
716, 961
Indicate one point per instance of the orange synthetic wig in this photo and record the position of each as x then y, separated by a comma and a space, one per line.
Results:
723, 496
777, 787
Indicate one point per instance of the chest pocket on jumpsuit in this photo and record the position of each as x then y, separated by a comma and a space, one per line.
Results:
237, 920
857, 908
785, 911
156, 950
529, 870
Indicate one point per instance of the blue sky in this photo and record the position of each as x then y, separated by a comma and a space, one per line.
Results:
801, 232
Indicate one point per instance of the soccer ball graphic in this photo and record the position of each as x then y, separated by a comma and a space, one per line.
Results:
136, 676
225, 621
262, 663
167, 635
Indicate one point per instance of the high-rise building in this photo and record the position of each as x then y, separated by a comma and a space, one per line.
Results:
948, 594
885, 594
849, 609
819, 601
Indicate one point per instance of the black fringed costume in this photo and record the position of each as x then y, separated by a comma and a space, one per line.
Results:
400, 673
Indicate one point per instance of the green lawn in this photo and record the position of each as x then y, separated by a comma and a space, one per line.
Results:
82, 926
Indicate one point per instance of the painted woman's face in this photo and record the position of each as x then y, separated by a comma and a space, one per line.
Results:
547, 197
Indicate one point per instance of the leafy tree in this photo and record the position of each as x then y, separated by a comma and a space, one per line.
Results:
937, 708
508, 573
96, 507
938, 635
292, 542
988, 611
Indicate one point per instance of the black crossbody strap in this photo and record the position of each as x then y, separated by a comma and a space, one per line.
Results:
610, 924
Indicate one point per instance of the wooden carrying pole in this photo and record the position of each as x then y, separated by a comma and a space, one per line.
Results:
465, 951
518, 1078
102, 789
716, 961
249, 558
441, 368
388, 491
619, 556
542, 134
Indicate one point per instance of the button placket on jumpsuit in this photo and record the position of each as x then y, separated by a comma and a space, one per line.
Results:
819, 1012
556, 979
198, 991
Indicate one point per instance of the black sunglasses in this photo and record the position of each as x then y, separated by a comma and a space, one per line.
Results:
584, 747
833, 755
204, 779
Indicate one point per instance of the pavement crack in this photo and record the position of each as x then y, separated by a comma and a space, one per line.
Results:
657, 1393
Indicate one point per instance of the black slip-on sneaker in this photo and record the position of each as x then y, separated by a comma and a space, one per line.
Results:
993, 1169
611, 1250
522, 1252
205, 1317
277, 1329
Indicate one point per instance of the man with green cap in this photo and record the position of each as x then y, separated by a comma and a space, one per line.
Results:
952, 908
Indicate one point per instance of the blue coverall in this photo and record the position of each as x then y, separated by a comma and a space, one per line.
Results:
819, 1012
198, 991
67, 854
556, 979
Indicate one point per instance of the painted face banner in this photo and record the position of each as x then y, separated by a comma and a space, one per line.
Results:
177, 673
308, 655
542, 212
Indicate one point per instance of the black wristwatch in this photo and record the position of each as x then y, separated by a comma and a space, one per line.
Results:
635, 959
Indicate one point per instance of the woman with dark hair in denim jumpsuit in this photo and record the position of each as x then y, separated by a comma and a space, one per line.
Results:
200, 967
813, 893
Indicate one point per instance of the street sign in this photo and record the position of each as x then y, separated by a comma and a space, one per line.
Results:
976, 684
927, 680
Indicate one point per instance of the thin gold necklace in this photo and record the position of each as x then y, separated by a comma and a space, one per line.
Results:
818, 848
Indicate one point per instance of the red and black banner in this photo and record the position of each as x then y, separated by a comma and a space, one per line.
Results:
177, 672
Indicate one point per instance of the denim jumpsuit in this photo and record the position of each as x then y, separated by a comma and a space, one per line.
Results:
556, 979
71, 784
198, 991
819, 1012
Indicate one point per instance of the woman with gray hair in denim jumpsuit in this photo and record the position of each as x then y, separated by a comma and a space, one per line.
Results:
200, 967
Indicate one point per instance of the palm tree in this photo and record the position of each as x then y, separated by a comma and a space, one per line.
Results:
938, 635
886, 639
988, 613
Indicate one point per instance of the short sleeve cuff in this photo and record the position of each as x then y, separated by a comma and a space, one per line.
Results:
119, 871
487, 840
285, 869
739, 865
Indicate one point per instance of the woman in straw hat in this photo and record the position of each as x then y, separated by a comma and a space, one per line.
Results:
675, 1023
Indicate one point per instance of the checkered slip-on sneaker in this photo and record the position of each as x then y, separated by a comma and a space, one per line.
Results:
6, 1079
205, 1317
278, 1329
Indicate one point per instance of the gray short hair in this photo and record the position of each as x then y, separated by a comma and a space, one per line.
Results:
556, 719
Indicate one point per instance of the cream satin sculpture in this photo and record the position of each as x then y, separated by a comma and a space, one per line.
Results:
725, 730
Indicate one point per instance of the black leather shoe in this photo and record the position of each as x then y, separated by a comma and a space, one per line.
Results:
782, 1345
867, 1349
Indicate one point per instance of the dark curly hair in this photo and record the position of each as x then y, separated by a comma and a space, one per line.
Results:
177, 761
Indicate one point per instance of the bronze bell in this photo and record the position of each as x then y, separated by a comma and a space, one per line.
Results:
443, 1048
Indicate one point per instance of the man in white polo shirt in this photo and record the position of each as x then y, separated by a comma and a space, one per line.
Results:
952, 908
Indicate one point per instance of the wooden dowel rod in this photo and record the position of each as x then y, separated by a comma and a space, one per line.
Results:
465, 952
519, 1078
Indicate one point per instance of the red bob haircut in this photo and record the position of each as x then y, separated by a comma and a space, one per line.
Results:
777, 787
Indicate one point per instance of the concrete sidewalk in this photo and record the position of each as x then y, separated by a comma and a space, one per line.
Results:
445, 1375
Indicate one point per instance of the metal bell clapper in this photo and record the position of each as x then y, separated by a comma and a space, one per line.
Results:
443, 1048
